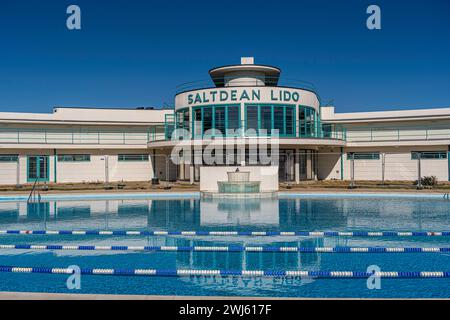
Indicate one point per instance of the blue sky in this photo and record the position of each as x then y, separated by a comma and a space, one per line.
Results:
135, 53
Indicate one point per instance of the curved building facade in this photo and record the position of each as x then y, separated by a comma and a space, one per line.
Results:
242, 116
247, 101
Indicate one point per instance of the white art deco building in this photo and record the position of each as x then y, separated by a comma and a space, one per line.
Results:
241, 104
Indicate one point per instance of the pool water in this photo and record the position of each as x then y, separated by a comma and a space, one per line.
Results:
189, 213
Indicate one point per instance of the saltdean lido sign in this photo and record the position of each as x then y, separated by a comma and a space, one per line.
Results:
243, 95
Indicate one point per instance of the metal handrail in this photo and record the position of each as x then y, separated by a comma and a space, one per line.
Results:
32, 195
259, 81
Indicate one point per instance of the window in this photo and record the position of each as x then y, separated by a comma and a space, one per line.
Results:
271, 117
278, 122
252, 117
309, 121
428, 155
220, 120
198, 122
133, 157
233, 118
290, 120
74, 158
182, 118
327, 130
9, 158
363, 156
207, 119
223, 119
266, 118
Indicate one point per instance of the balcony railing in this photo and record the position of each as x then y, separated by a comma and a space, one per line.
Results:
252, 81
164, 133
399, 134
305, 130
73, 137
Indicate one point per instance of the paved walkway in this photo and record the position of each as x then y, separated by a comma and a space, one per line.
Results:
64, 296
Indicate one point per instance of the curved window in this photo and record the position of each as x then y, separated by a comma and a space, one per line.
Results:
309, 122
182, 118
265, 118
220, 120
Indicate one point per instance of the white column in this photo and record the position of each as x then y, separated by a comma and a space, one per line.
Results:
297, 166
191, 173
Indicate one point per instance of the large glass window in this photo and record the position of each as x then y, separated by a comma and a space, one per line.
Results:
290, 121
270, 117
219, 123
224, 119
197, 122
309, 122
182, 118
233, 118
207, 119
252, 118
266, 118
278, 121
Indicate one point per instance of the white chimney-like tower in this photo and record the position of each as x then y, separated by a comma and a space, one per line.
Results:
246, 74
247, 60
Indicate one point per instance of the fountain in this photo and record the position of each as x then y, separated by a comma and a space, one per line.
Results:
239, 185
239, 182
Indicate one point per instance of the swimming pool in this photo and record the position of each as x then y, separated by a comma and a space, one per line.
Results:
187, 212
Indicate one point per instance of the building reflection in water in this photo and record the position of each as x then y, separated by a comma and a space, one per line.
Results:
262, 214
256, 215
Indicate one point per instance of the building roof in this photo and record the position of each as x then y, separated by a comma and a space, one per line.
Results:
90, 116
270, 74
328, 114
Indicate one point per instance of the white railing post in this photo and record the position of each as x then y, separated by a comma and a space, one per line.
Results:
419, 171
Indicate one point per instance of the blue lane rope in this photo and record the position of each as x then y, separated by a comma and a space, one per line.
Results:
225, 273
232, 233
230, 248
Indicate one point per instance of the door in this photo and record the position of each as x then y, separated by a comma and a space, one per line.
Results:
37, 168
286, 166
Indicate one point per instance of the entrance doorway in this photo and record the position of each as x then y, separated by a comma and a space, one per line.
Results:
286, 166
37, 168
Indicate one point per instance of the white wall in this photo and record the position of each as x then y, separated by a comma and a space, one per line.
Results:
91, 171
129, 170
398, 164
329, 166
8, 172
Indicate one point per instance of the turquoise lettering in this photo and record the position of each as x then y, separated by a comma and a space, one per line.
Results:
272, 96
244, 95
205, 99
256, 95
223, 95
233, 95
213, 95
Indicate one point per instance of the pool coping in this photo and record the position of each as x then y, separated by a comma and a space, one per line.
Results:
196, 194
70, 296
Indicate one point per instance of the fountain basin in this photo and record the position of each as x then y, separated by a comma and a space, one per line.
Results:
239, 186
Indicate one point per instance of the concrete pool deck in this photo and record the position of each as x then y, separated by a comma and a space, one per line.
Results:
66, 296
93, 297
